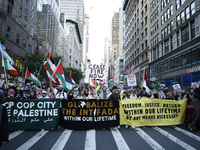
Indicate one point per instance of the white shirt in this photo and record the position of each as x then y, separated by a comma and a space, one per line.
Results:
61, 94
41, 97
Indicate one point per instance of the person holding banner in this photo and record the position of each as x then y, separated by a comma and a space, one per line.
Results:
44, 95
104, 94
114, 96
133, 95
3, 122
59, 93
93, 95
81, 94
70, 96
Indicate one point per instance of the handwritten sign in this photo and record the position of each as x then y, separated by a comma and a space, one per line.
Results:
131, 80
95, 71
32, 114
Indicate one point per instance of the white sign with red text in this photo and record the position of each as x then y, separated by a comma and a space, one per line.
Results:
95, 71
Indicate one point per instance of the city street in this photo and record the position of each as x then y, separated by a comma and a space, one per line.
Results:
109, 139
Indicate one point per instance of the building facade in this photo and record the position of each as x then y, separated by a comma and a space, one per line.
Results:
74, 10
175, 46
137, 24
16, 31
74, 43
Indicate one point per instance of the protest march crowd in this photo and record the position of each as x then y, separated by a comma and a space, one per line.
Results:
30, 91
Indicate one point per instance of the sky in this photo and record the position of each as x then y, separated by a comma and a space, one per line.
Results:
100, 17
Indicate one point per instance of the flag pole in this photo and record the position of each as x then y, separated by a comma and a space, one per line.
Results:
4, 69
55, 70
41, 65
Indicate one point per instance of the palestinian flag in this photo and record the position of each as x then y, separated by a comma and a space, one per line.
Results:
100, 85
151, 84
9, 67
70, 77
30, 76
144, 83
68, 85
111, 80
50, 69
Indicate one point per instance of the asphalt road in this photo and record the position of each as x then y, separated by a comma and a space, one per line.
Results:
109, 139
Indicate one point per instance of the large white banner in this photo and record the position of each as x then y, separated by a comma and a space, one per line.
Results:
95, 71
131, 80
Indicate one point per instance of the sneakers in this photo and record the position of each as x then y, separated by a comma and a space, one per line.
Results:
126, 126
133, 127
118, 127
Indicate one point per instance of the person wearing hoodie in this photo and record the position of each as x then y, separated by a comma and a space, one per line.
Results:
3, 122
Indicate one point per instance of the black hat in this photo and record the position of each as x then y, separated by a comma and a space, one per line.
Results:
114, 87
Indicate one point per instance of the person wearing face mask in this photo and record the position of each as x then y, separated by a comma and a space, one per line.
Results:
3, 122
59, 93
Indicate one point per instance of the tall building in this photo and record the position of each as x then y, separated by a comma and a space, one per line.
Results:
119, 63
107, 47
86, 43
137, 24
74, 10
48, 26
114, 52
175, 46
16, 31
75, 44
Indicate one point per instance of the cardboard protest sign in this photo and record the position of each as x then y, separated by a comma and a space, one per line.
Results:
131, 80
95, 71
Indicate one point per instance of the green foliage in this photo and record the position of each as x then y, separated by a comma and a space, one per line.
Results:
76, 74
30, 62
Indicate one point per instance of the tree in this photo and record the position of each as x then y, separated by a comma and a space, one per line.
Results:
76, 74
30, 62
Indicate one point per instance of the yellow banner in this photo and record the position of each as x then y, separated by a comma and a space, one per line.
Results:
152, 112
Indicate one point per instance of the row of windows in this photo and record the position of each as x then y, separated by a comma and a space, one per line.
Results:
167, 29
17, 39
154, 15
155, 40
167, 14
185, 14
179, 3
155, 27
188, 58
164, 3
153, 3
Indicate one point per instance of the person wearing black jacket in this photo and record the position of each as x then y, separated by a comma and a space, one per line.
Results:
3, 122
114, 96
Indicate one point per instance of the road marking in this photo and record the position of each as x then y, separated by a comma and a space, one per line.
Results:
32, 141
14, 134
174, 139
120, 142
90, 142
60, 143
149, 140
188, 133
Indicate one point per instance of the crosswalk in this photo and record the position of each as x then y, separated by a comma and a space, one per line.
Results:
122, 139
